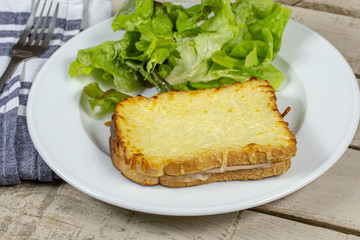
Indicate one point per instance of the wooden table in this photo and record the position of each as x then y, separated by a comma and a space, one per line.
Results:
328, 208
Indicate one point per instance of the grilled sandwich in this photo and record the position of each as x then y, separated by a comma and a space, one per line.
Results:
186, 138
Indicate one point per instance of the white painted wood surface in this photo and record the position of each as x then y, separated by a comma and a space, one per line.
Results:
344, 7
331, 199
256, 226
45, 211
328, 208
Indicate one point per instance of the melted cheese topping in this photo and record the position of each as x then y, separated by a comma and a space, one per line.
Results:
170, 127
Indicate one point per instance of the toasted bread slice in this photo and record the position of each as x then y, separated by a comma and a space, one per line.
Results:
192, 179
180, 132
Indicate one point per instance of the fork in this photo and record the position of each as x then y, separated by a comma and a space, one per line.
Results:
31, 43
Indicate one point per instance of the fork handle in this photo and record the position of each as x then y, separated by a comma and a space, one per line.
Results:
14, 62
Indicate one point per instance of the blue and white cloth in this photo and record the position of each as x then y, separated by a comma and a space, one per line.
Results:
19, 159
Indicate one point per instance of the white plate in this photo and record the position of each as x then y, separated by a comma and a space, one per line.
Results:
320, 87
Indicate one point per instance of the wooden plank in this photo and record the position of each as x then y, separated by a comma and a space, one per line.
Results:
37, 211
254, 226
21, 208
74, 215
332, 199
78, 216
53, 211
116, 5
342, 31
146, 226
288, 2
344, 7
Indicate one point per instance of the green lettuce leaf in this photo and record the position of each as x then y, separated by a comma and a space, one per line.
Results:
243, 38
77, 68
149, 37
133, 14
98, 97
195, 53
106, 57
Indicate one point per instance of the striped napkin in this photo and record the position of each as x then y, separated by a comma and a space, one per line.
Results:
19, 159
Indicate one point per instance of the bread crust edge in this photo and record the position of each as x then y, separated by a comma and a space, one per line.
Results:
194, 179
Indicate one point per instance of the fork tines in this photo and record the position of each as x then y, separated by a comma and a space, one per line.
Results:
34, 33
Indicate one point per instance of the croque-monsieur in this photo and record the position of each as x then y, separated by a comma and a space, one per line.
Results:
186, 138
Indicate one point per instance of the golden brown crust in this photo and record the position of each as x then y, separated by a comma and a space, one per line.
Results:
250, 154
194, 179
129, 159
126, 170
202, 178
136, 162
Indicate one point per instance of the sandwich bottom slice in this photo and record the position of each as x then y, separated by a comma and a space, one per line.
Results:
183, 138
192, 179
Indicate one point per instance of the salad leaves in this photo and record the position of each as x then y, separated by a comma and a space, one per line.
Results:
106, 57
98, 97
211, 44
